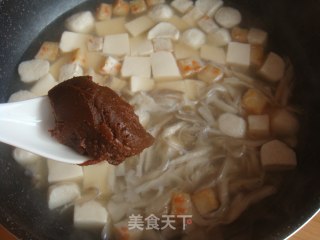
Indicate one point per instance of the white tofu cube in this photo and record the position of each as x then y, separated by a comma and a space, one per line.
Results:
82, 22
112, 66
71, 41
179, 23
42, 86
205, 200
61, 194
162, 44
182, 6
116, 84
284, 123
70, 70
212, 53
104, 11
194, 88
141, 84
253, 101
48, 51
160, 12
21, 95
193, 16
232, 125
139, 25
97, 78
220, 37
100, 176
238, 55
239, 34
181, 204
95, 44
79, 56
151, 3
210, 74
116, 45
194, 38
276, 155
172, 85
259, 125
207, 24
190, 66
58, 171
183, 51
273, 68
257, 36
137, 6
164, 66
112, 26
95, 60
33, 70
136, 66
209, 7
90, 214
164, 30
228, 17
55, 67
140, 46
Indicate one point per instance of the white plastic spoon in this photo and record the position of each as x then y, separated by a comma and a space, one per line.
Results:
26, 125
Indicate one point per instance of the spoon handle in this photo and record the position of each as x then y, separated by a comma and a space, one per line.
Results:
20, 119
26, 125
24, 112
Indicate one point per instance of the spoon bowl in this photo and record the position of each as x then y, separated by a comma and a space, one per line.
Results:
26, 124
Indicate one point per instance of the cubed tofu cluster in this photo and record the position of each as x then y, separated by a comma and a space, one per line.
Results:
151, 46
81, 187
266, 121
84, 188
104, 43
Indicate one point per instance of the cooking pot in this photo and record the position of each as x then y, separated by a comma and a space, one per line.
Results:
294, 28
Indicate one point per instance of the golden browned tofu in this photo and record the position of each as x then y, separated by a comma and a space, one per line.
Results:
190, 66
239, 34
104, 12
253, 101
137, 6
181, 204
120, 8
79, 56
256, 55
48, 51
205, 201
210, 74
259, 125
151, 3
